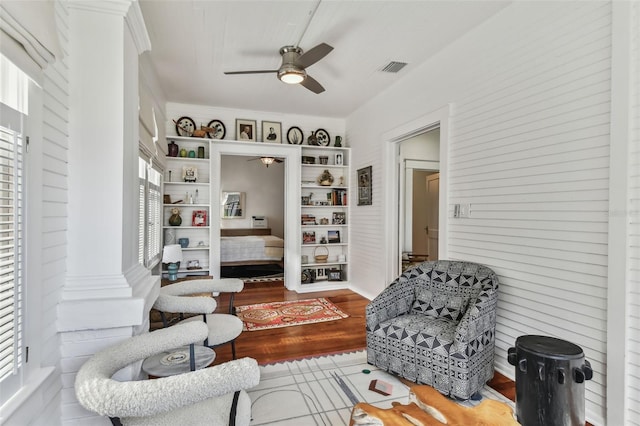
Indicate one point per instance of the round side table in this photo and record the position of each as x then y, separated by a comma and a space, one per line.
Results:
176, 361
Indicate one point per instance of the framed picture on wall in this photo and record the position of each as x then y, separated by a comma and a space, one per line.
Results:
246, 130
364, 186
271, 132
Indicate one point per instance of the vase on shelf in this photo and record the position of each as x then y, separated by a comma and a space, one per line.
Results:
175, 219
325, 179
173, 149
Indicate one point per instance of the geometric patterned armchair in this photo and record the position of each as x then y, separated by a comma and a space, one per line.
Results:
435, 325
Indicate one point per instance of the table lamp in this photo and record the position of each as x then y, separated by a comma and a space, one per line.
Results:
172, 256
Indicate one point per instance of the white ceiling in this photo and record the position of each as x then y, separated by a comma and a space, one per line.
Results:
195, 41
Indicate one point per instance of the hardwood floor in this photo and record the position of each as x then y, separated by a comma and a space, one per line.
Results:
280, 344
287, 343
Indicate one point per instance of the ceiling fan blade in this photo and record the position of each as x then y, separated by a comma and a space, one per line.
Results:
312, 56
251, 72
312, 84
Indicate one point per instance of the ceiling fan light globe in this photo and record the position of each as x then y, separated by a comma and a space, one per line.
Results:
291, 75
267, 160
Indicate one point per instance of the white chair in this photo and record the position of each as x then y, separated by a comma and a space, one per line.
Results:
223, 328
212, 396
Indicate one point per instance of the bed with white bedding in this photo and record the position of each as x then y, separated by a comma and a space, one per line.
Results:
243, 247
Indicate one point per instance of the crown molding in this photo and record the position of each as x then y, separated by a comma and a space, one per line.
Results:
129, 9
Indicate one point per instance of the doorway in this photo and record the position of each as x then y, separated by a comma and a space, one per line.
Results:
419, 213
394, 189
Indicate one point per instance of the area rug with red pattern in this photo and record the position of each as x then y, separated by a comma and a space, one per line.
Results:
262, 316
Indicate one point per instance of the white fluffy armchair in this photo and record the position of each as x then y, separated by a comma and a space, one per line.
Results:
200, 397
223, 328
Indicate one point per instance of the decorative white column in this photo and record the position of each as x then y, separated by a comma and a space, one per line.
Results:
107, 295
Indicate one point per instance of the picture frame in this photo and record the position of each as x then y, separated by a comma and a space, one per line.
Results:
246, 130
295, 136
339, 160
334, 275
189, 173
364, 186
339, 218
232, 205
271, 132
333, 236
199, 218
321, 274
309, 237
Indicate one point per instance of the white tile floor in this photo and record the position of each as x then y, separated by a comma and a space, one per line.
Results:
306, 393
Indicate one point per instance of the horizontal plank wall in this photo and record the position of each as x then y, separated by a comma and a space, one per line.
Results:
530, 154
54, 207
528, 150
632, 391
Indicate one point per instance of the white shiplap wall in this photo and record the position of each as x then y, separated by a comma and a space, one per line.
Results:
632, 390
529, 94
529, 152
54, 211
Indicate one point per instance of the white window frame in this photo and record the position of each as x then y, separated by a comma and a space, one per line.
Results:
28, 376
150, 215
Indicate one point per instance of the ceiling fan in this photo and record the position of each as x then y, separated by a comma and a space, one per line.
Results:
267, 161
294, 65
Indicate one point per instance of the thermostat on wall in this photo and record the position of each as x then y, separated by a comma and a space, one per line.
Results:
259, 222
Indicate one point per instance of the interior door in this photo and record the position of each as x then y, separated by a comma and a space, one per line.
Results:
433, 190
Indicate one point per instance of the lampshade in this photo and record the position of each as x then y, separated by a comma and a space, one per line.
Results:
267, 160
172, 253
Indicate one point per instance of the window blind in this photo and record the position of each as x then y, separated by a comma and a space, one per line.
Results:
11, 251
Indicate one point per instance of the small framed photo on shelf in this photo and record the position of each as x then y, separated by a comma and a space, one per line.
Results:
333, 237
321, 274
199, 218
339, 218
334, 275
309, 237
246, 130
189, 173
339, 160
271, 132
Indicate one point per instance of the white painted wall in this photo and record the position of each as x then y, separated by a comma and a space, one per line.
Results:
263, 188
529, 92
632, 358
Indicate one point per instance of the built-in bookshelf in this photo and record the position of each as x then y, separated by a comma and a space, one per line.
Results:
324, 216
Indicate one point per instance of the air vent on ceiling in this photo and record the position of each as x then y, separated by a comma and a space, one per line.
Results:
393, 66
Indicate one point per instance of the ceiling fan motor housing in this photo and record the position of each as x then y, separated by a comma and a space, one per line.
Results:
289, 72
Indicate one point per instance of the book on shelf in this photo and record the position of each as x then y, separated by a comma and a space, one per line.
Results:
308, 219
337, 197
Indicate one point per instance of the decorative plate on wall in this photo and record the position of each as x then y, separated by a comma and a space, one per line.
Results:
323, 137
185, 126
295, 135
218, 129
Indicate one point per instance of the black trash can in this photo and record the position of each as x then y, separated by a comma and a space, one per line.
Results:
550, 376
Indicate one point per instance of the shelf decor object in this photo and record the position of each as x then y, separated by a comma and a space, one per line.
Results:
295, 135
185, 126
172, 256
175, 219
246, 130
216, 130
271, 132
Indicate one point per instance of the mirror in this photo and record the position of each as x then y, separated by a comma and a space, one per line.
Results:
232, 204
